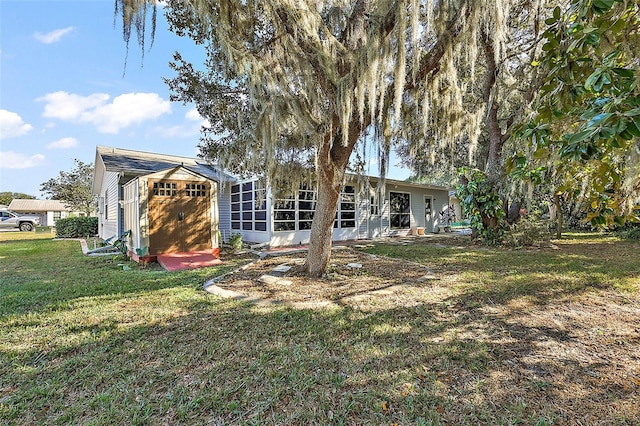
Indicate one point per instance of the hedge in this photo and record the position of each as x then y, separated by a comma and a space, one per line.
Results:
76, 227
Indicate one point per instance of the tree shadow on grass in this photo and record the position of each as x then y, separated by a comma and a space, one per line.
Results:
472, 358
224, 362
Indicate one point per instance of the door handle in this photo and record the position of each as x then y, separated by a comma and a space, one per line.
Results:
180, 215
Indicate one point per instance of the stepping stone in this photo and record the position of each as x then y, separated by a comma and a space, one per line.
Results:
281, 269
354, 265
428, 277
270, 279
336, 277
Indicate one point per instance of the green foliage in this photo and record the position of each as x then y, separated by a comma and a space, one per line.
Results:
527, 232
76, 227
630, 232
235, 240
482, 204
73, 188
587, 127
6, 197
121, 242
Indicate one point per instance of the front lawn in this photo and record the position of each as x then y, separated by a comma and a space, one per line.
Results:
488, 337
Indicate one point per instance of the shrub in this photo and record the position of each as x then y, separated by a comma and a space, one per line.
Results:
630, 232
527, 232
235, 241
482, 204
77, 227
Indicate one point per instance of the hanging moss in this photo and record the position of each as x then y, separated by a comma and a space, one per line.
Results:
315, 70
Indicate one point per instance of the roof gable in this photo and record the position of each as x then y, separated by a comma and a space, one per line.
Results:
139, 163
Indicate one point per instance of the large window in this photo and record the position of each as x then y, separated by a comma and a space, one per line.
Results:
400, 210
248, 207
284, 215
346, 214
306, 208
296, 213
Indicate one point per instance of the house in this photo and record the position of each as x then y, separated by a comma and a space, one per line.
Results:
173, 204
49, 211
169, 203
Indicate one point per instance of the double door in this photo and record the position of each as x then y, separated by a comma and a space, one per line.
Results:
179, 216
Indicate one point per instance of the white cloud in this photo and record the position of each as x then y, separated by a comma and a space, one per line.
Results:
189, 128
180, 131
69, 106
53, 36
63, 143
194, 115
124, 111
11, 125
14, 160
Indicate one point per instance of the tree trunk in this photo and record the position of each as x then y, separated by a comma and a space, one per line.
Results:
322, 226
556, 200
331, 163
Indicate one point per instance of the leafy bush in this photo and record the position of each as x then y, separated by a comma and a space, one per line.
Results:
235, 241
77, 227
630, 232
482, 204
527, 232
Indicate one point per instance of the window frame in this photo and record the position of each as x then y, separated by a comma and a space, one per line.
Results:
249, 207
400, 214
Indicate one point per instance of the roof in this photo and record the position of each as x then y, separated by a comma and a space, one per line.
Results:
140, 163
21, 205
376, 179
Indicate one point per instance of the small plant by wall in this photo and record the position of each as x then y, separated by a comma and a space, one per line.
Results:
235, 241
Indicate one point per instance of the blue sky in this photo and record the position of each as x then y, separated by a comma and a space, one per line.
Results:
64, 89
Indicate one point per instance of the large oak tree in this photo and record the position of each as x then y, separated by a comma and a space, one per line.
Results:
305, 82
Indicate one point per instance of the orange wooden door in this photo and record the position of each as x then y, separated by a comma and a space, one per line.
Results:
195, 217
179, 216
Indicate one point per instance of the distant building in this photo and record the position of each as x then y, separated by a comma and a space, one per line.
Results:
48, 210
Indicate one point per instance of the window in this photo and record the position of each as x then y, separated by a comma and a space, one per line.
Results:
106, 204
296, 213
400, 210
195, 189
248, 207
162, 189
375, 202
56, 216
284, 215
306, 208
346, 214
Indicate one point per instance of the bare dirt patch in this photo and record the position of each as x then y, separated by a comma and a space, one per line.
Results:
367, 277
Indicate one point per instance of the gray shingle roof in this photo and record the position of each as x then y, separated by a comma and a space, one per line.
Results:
139, 163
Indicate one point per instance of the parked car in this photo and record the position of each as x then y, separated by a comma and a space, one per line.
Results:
9, 219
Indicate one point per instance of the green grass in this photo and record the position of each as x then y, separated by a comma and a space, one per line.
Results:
84, 342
